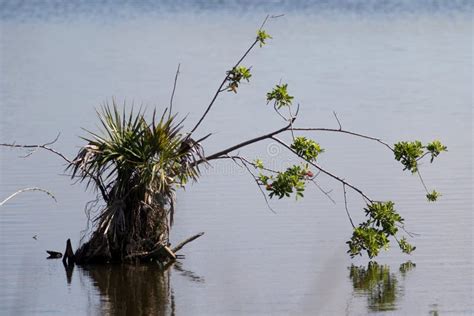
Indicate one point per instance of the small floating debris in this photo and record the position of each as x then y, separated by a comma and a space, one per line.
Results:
53, 254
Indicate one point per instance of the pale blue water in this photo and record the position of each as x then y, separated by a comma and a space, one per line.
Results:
395, 69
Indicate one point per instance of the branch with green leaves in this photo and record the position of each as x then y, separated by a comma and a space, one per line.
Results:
383, 221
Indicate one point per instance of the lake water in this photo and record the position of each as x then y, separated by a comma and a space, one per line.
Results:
399, 70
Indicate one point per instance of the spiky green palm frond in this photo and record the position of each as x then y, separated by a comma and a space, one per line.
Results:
137, 164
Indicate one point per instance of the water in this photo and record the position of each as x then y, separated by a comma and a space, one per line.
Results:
399, 70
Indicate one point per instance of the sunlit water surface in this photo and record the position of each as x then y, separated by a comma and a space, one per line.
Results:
400, 72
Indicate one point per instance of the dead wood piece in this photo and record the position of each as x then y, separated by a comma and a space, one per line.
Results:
169, 253
186, 241
54, 254
69, 258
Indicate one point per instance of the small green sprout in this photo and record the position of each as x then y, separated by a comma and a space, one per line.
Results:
262, 36
280, 96
405, 246
236, 75
306, 148
435, 148
433, 196
258, 163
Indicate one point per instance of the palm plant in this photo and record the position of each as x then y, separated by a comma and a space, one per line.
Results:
137, 167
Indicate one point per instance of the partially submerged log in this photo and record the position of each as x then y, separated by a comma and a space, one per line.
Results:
54, 254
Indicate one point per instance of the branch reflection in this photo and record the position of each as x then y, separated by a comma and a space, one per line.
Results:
378, 284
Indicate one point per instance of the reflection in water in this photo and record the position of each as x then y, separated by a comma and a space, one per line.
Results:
132, 290
135, 289
378, 284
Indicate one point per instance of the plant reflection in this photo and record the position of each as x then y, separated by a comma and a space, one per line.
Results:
379, 285
135, 289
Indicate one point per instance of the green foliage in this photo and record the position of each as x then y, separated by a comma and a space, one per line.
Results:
236, 75
435, 148
132, 154
307, 148
373, 235
408, 154
280, 96
258, 163
285, 183
405, 246
433, 196
262, 36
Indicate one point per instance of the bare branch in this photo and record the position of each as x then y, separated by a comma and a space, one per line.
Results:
35, 147
337, 119
422, 181
186, 241
322, 129
46, 147
25, 190
240, 145
245, 160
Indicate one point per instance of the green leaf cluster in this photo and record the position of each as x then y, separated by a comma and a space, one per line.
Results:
306, 148
435, 148
285, 183
236, 75
405, 246
433, 196
279, 95
373, 235
262, 36
409, 153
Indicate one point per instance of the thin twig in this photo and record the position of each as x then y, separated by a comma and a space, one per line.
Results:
322, 129
245, 160
326, 193
337, 119
422, 181
259, 187
44, 146
174, 89
345, 205
25, 190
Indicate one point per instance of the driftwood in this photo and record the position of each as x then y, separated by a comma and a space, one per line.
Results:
54, 254
184, 242
162, 253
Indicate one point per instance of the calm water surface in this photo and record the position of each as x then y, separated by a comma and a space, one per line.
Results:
400, 71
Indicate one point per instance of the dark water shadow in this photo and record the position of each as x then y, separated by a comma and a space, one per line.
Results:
381, 287
135, 289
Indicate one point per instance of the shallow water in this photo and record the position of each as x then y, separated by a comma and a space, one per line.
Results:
399, 71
